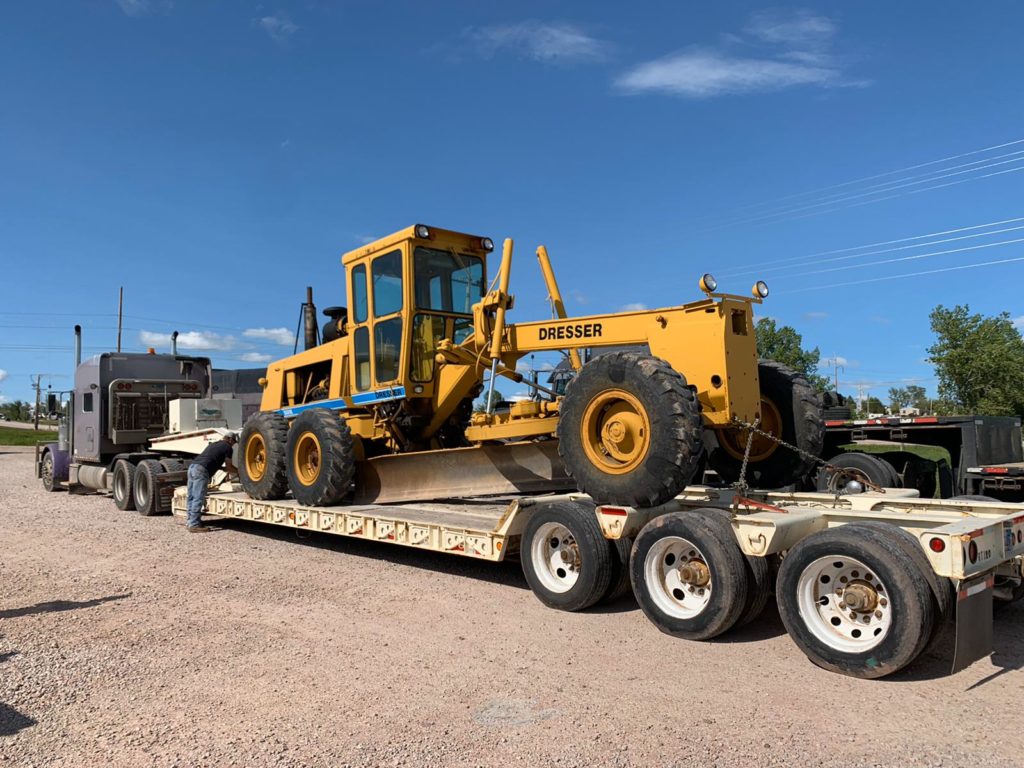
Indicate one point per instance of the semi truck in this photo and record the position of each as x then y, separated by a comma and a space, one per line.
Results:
131, 423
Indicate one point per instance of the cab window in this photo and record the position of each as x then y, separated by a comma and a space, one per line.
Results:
447, 281
359, 293
387, 348
387, 284
361, 342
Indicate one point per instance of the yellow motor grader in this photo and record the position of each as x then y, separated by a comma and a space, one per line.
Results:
382, 409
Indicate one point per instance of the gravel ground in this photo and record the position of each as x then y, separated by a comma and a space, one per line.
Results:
126, 641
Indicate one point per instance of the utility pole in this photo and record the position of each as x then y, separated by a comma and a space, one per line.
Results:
120, 310
39, 378
836, 366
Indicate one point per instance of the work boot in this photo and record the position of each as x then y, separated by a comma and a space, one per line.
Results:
198, 528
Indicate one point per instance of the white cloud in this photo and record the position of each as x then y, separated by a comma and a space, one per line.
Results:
279, 27
783, 51
281, 336
540, 41
524, 367
1018, 322
636, 306
3, 374
4, 399
255, 357
189, 340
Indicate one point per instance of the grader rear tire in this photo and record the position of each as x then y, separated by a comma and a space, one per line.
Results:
792, 411
630, 430
321, 458
263, 469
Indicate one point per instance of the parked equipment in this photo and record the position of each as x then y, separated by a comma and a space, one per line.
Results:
385, 402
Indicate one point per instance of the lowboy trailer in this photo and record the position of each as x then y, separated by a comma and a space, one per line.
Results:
863, 581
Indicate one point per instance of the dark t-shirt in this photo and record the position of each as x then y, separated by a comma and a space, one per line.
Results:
213, 457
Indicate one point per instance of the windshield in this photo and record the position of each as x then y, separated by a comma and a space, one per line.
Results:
447, 281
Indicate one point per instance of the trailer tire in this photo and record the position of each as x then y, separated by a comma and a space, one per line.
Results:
790, 406
567, 561
630, 430
759, 578
901, 606
716, 593
263, 460
145, 488
174, 465
46, 473
321, 458
620, 583
921, 474
123, 485
878, 471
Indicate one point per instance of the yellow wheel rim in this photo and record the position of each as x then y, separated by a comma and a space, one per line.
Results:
734, 441
256, 457
616, 432
307, 458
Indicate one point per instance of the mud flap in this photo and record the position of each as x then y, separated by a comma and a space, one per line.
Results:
486, 470
973, 622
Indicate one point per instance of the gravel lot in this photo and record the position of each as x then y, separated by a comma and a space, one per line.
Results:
126, 641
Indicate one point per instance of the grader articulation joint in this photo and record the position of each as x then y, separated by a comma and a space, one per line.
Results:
382, 410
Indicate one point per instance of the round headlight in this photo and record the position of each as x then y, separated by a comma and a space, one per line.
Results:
760, 289
708, 284
422, 231
487, 243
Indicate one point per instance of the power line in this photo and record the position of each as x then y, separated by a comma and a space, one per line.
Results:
908, 274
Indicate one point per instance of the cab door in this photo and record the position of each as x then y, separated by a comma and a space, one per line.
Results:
378, 298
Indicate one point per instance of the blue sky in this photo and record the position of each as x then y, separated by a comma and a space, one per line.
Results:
216, 158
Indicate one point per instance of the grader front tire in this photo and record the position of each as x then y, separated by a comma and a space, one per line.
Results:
263, 468
630, 430
321, 458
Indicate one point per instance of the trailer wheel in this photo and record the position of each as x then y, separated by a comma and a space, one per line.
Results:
123, 483
619, 583
689, 575
566, 559
174, 465
321, 458
145, 488
46, 471
790, 410
853, 601
759, 577
630, 430
264, 460
878, 471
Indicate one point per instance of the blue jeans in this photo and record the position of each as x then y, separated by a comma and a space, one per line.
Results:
198, 486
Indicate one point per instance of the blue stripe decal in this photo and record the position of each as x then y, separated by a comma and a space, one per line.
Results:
339, 404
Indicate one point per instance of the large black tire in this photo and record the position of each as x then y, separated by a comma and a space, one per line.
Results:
46, 472
321, 458
144, 487
620, 583
263, 457
759, 577
654, 462
878, 471
704, 544
800, 413
876, 642
921, 474
123, 484
567, 561
174, 465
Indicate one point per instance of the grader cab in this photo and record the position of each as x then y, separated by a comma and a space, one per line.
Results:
382, 410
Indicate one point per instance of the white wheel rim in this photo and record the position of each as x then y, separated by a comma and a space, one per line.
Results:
556, 557
822, 601
663, 577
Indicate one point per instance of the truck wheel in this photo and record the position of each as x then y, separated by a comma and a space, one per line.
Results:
566, 559
878, 471
689, 575
321, 458
145, 488
264, 460
123, 483
790, 410
853, 601
173, 465
921, 474
619, 583
630, 430
46, 473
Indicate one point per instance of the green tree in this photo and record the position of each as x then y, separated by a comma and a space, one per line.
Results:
17, 410
784, 345
481, 405
871, 405
978, 361
911, 396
